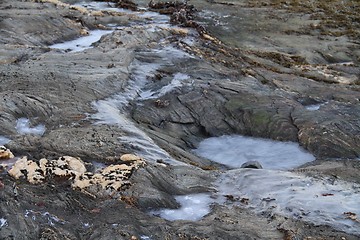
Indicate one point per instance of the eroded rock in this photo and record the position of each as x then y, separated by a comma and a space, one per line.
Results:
112, 178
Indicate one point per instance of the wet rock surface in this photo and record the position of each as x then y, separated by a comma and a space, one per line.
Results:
155, 90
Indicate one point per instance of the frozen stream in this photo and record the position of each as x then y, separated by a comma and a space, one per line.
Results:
112, 110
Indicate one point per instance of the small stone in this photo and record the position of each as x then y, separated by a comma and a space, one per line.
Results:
5, 153
252, 164
130, 157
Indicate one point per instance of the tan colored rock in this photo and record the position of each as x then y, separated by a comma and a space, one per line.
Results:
111, 178
28, 169
84, 32
130, 157
5, 153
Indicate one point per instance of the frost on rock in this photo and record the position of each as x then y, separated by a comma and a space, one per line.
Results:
111, 178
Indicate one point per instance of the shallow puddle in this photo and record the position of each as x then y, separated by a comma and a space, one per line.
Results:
320, 201
235, 150
82, 43
23, 127
193, 208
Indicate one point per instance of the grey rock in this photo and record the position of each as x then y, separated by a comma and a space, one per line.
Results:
252, 164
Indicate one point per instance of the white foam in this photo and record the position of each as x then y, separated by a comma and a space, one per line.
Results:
176, 82
319, 201
193, 208
82, 43
3, 222
234, 150
3, 140
23, 127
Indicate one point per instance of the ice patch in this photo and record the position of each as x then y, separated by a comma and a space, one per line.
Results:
3, 222
234, 150
3, 140
176, 82
50, 219
86, 225
193, 208
82, 43
98, 166
314, 107
319, 201
144, 237
23, 127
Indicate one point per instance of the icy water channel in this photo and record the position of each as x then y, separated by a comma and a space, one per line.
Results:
273, 189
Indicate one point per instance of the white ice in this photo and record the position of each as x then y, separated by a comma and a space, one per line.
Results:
3, 140
50, 218
314, 107
144, 237
320, 201
23, 127
176, 82
3, 222
82, 43
193, 208
234, 150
